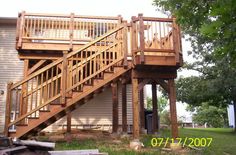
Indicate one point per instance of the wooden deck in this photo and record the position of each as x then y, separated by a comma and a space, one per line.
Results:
153, 41
68, 58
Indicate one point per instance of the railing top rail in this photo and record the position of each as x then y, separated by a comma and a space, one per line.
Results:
69, 16
153, 19
158, 19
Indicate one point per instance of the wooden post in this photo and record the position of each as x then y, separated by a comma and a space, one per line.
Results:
135, 108
124, 107
64, 78
21, 30
23, 96
141, 38
133, 38
176, 44
173, 115
8, 109
142, 116
125, 47
71, 31
154, 107
114, 107
68, 128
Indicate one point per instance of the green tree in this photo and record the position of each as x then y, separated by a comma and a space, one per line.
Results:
211, 27
212, 115
162, 103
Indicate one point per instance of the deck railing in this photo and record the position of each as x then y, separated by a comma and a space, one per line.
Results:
155, 36
55, 81
70, 29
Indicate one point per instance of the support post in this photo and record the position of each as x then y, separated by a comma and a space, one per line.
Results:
173, 115
8, 109
114, 107
68, 128
154, 108
124, 107
23, 96
64, 79
142, 117
135, 108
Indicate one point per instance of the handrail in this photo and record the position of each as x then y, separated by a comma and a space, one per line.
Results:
69, 55
76, 16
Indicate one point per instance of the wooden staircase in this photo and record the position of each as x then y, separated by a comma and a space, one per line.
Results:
47, 94
50, 93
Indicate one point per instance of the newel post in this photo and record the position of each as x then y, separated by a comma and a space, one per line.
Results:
64, 78
141, 38
176, 43
8, 108
125, 46
20, 29
71, 31
133, 38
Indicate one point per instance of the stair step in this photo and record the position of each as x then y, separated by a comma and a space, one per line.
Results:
88, 84
22, 124
77, 90
44, 110
33, 117
111, 72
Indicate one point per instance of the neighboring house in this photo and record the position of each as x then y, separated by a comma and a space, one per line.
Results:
230, 110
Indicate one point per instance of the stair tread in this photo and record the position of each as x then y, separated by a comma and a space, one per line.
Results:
21, 124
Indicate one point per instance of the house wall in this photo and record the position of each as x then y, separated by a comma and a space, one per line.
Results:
97, 112
11, 68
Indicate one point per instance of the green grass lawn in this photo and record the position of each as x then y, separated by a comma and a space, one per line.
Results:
223, 143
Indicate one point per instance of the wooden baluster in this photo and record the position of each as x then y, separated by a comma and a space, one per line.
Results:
160, 34
56, 81
52, 83
31, 97
36, 96
41, 90
8, 108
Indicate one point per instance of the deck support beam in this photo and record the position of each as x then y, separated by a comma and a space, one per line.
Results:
136, 127
173, 115
154, 108
115, 107
124, 107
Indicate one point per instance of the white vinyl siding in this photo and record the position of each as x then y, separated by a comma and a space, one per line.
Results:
97, 112
11, 68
